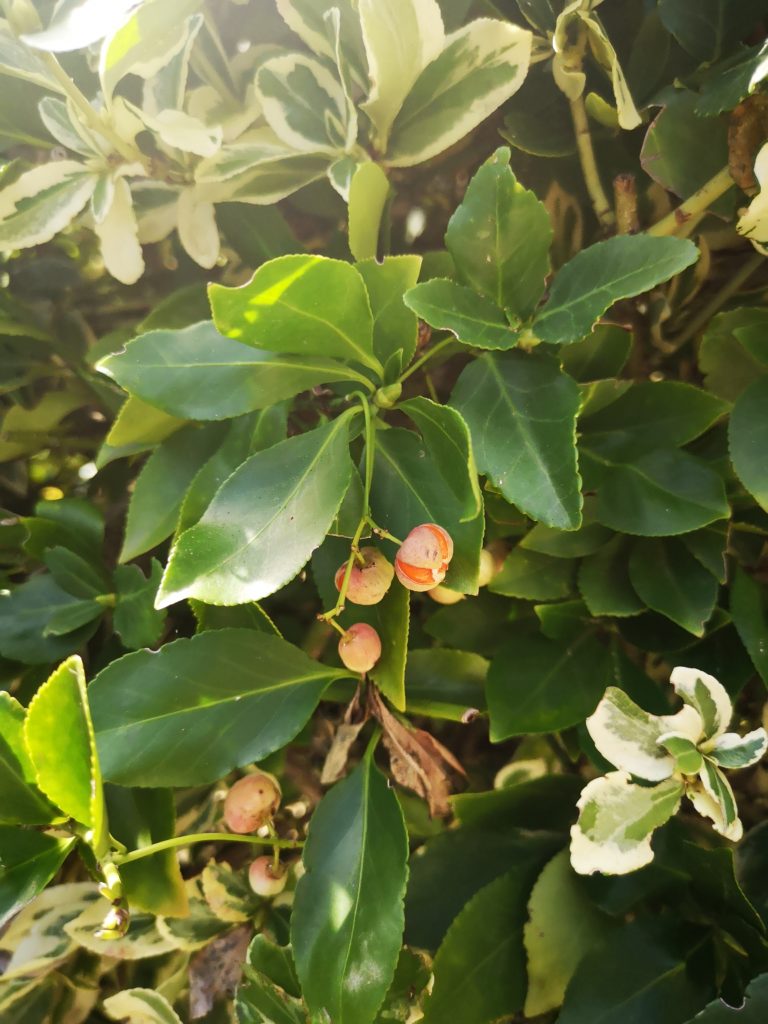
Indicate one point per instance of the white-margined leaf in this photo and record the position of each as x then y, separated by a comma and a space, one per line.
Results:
628, 737
118, 234
616, 822
78, 23
709, 697
61, 120
481, 66
734, 751
713, 797
43, 202
142, 1005
196, 223
18, 61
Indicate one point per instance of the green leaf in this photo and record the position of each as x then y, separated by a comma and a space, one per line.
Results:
159, 490
661, 494
708, 546
260, 1001
198, 374
347, 920
521, 411
563, 926
749, 610
473, 319
28, 861
753, 1011
135, 618
140, 817
78, 576
604, 273
648, 416
21, 802
602, 354
707, 29
533, 576
447, 437
616, 822
172, 718
587, 540
26, 611
537, 685
395, 327
479, 969
306, 305
264, 522
499, 239
671, 581
72, 616
409, 489
59, 736
390, 619
142, 1005
445, 684
734, 351
639, 974
748, 436
480, 66
368, 193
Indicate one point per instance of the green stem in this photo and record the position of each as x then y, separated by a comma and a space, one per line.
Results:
600, 202
697, 203
427, 355
204, 837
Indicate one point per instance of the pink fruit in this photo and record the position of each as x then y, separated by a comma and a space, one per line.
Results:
252, 802
369, 582
360, 647
264, 880
424, 556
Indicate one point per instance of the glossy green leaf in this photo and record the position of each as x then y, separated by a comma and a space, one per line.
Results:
391, 619
347, 920
563, 925
26, 611
734, 351
198, 374
395, 327
447, 437
28, 861
749, 610
176, 718
306, 305
534, 576
21, 802
264, 522
539, 685
753, 1011
521, 411
604, 273
409, 489
445, 684
59, 736
602, 354
368, 194
499, 239
706, 29
480, 966
649, 416
667, 577
748, 436
135, 617
708, 546
140, 817
481, 65
663, 493
589, 538
472, 318
159, 489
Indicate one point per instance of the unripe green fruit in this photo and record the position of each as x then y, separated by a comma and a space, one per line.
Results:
423, 558
444, 595
252, 802
360, 647
488, 568
263, 878
368, 582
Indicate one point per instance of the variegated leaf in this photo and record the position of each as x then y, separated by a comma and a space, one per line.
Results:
709, 697
43, 202
140, 1006
713, 797
688, 758
196, 224
141, 941
78, 23
118, 234
18, 61
481, 66
734, 751
65, 126
628, 737
616, 822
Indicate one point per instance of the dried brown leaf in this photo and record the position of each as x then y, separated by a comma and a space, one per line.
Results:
216, 970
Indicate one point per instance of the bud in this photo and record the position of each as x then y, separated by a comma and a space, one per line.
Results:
264, 879
115, 924
424, 556
252, 802
368, 582
360, 647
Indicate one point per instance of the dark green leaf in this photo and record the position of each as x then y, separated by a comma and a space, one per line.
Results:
21, 802
395, 328
601, 354
538, 685
731, 81
409, 489
390, 619
667, 577
499, 238
264, 522
199, 707
533, 576
306, 305
734, 351
708, 28
754, 1010
76, 575
347, 920
548, 802
135, 617
604, 581
472, 318
748, 437
604, 273
749, 609
708, 545
198, 374
521, 411
26, 611
28, 861
445, 683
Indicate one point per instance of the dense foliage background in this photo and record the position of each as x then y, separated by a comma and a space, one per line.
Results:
285, 277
